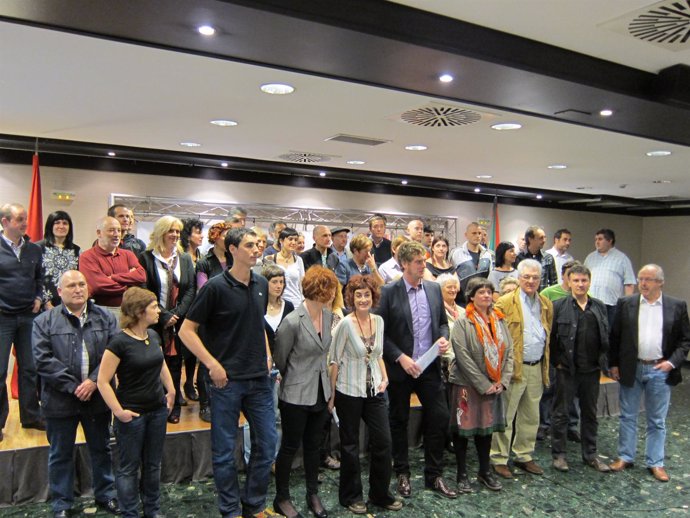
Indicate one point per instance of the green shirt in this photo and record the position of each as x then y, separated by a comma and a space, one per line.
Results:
555, 292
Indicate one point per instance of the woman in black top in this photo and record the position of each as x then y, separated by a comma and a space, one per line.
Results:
438, 263
144, 397
60, 254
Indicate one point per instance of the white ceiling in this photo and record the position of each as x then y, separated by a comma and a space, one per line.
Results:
65, 86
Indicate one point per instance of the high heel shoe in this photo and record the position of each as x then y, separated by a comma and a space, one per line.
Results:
316, 507
287, 509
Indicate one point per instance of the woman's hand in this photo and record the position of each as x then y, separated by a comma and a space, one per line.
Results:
331, 404
170, 401
382, 387
499, 387
126, 416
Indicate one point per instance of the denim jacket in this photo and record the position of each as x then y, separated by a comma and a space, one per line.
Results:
57, 343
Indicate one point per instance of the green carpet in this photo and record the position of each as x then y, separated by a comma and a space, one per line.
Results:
581, 492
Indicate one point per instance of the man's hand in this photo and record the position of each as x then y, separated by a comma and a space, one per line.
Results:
85, 390
443, 346
126, 416
409, 366
614, 373
173, 320
218, 375
664, 366
37, 306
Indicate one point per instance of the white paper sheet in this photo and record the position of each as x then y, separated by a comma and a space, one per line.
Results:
428, 357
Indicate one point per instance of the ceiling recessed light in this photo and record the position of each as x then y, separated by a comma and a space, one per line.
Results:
190, 144
484, 176
557, 166
356, 162
606, 113
111, 153
404, 182
322, 173
659, 152
206, 30
277, 89
224, 164
539, 196
477, 189
416, 147
224, 123
506, 126
446, 78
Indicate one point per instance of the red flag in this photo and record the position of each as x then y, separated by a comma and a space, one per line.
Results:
35, 213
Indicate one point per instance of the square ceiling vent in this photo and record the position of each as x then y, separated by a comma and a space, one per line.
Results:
663, 24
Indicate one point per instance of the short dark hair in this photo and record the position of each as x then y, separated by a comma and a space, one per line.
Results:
476, 284
377, 217
501, 250
560, 232
445, 240
187, 226
362, 282
234, 237
568, 265
48, 235
272, 270
529, 233
287, 232
608, 234
428, 229
580, 269
111, 209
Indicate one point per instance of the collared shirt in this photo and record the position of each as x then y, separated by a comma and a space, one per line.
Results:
650, 325
560, 260
586, 336
390, 270
421, 318
610, 274
549, 275
17, 249
533, 334
84, 351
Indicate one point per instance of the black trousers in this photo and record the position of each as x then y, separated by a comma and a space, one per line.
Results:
483, 445
174, 364
372, 410
302, 425
435, 418
585, 386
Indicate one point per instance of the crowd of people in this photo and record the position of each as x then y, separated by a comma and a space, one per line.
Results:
503, 346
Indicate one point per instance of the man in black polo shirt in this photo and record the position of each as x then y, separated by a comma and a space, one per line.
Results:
579, 343
231, 307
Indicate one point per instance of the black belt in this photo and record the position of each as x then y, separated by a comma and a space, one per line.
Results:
532, 363
651, 362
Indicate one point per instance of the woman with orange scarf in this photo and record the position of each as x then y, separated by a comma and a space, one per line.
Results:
480, 373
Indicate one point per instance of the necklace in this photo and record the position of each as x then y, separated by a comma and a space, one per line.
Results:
359, 324
275, 306
144, 339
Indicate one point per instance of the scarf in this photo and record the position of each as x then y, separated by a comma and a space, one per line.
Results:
490, 336
169, 348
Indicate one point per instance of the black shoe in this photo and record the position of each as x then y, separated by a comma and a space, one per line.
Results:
542, 434
404, 488
574, 436
490, 481
190, 392
440, 487
36, 425
286, 509
464, 485
110, 506
316, 507
61, 514
155, 515
205, 413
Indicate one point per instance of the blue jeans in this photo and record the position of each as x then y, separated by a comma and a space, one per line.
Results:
140, 443
246, 430
657, 396
17, 329
254, 397
61, 432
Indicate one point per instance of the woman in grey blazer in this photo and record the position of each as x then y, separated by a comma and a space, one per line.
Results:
301, 349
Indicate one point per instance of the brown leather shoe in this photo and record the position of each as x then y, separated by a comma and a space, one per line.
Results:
620, 465
503, 471
404, 488
560, 464
598, 465
442, 489
660, 474
530, 467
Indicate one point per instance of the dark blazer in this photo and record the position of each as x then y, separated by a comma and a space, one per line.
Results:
187, 286
674, 345
301, 357
398, 336
564, 332
313, 256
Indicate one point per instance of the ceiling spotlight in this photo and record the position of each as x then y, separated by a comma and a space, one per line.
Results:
404, 182
539, 196
606, 113
224, 123
356, 162
658, 153
484, 176
206, 30
558, 166
111, 153
477, 189
277, 89
416, 147
224, 164
446, 78
190, 144
506, 126
322, 173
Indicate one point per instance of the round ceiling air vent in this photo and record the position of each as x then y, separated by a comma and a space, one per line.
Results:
668, 23
440, 116
304, 158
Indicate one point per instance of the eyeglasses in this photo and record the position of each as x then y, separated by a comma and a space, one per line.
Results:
531, 277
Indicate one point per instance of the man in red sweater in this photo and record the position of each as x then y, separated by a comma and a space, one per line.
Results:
110, 270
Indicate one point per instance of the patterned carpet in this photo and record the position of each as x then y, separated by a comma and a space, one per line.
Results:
581, 492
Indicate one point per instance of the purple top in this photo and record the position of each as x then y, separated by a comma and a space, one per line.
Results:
421, 319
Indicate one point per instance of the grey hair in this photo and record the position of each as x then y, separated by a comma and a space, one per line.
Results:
445, 278
528, 264
659, 271
6, 210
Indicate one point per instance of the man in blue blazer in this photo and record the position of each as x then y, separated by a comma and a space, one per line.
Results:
414, 319
650, 338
